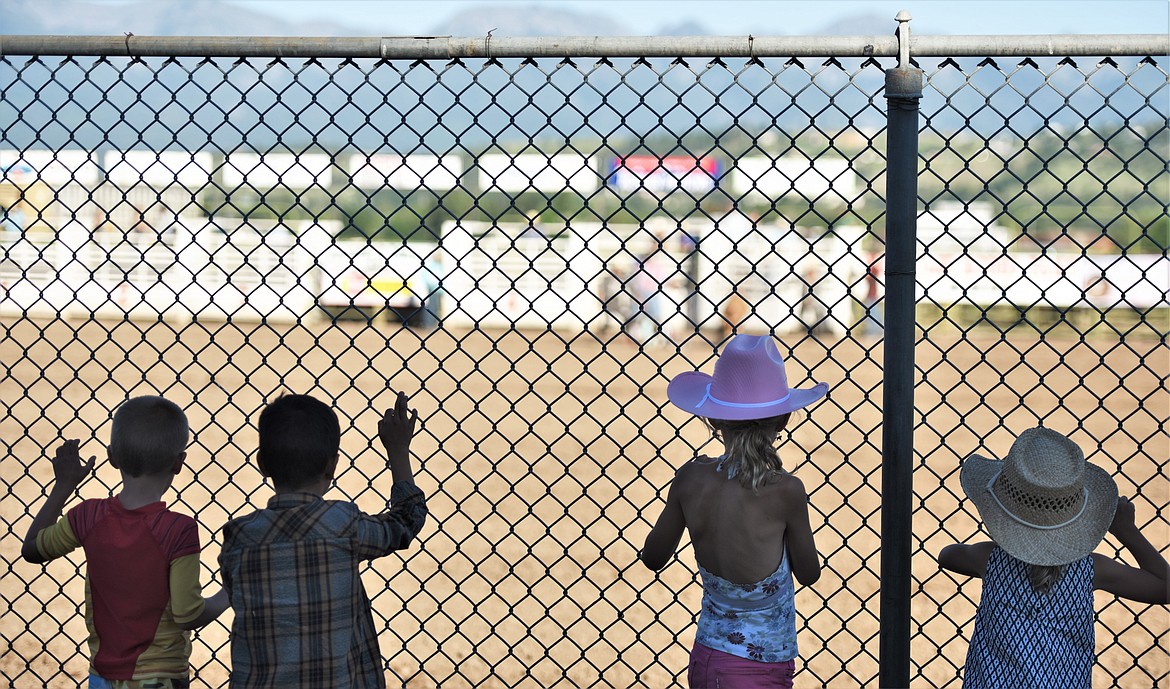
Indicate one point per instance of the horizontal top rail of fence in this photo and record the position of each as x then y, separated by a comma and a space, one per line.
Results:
489, 46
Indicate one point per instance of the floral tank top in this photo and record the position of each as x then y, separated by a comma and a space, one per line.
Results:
755, 621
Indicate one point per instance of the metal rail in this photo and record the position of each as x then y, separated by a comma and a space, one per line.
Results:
451, 47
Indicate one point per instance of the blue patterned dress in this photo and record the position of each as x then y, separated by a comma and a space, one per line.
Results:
1032, 640
756, 621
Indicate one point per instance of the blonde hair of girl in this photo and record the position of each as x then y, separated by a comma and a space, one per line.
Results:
750, 447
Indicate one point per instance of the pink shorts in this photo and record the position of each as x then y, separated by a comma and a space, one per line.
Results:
711, 669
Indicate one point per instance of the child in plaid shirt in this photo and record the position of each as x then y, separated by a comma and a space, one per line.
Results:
302, 618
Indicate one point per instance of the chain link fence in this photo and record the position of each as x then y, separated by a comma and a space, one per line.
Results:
531, 247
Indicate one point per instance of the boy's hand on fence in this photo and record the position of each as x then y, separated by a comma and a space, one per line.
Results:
396, 430
68, 471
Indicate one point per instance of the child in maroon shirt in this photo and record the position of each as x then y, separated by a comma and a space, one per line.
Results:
142, 580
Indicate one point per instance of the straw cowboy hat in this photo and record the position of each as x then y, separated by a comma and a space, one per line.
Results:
749, 383
1043, 504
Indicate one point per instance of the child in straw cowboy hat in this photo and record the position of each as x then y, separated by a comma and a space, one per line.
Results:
1046, 509
747, 518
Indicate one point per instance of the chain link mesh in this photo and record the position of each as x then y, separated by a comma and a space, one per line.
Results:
532, 248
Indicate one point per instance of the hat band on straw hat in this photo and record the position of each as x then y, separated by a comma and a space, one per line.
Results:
742, 405
1030, 525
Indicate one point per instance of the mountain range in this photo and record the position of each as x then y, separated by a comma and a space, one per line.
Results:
219, 18
224, 104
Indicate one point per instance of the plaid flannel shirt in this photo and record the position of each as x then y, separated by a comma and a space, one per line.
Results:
302, 618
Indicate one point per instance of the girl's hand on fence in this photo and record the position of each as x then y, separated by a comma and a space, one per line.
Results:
68, 470
1123, 518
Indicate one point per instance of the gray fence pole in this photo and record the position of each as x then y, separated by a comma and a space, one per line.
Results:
903, 92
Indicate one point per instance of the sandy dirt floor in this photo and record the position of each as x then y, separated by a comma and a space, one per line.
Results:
546, 456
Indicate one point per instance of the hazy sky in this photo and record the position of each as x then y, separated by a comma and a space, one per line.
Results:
776, 17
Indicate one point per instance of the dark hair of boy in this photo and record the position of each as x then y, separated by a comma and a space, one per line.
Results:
299, 437
147, 434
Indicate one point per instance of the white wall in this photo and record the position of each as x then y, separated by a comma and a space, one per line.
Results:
505, 275
196, 271
537, 172
825, 177
158, 169
54, 168
278, 170
405, 172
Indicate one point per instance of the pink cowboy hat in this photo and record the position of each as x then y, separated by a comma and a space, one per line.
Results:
749, 383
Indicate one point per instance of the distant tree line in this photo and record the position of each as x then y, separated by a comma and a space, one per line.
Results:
1109, 181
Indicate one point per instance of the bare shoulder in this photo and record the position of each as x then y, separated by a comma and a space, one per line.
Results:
969, 559
787, 495
790, 483
1107, 572
788, 487
696, 469
685, 478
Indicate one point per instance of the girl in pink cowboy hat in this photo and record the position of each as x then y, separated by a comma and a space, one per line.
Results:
1046, 509
747, 518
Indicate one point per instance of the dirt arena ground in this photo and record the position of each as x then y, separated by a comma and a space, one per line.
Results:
545, 456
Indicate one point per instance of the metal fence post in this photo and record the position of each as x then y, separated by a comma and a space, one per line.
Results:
903, 92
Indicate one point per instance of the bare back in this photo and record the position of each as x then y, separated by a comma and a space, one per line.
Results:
738, 533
